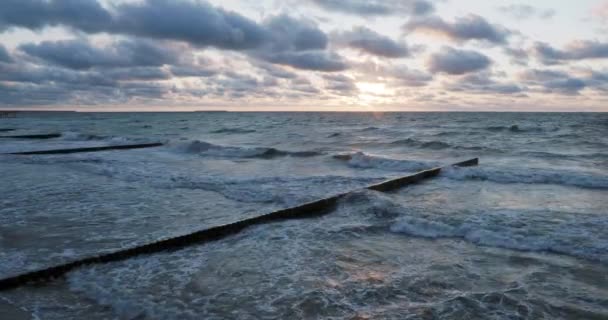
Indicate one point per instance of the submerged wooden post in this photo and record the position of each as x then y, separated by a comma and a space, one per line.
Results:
33, 136
90, 149
306, 211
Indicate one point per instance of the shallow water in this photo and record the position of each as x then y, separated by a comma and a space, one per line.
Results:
522, 236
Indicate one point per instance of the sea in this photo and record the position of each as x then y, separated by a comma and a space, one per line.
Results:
524, 235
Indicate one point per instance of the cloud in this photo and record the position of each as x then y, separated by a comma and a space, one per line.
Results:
197, 23
4, 55
275, 71
553, 81
86, 15
340, 84
577, 50
298, 43
482, 83
371, 42
395, 75
279, 39
377, 7
24, 84
518, 56
457, 62
408, 77
193, 71
309, 60
524, 12
81, 54
467, 28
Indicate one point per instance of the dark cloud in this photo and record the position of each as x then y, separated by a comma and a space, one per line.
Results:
28, 85
482, 83
456, 62
136, 73
298, 43
4, 55
25, 73
409, 77
524, 11
553, 81
193, 71
309, 60
86, 15
518, 56
303, 86
340, 85
371, 42
276, 71
195, 22
578, 50
280, 39
81, 54
470, 27
377, 7
289, 34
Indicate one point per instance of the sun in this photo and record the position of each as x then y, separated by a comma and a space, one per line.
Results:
373, 88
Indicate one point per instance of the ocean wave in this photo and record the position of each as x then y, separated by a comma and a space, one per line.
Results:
552, 155
365, 161
517, 129
233, 131
209, 149
285, 190
572, 234
422, 144
529, 176
439, 145
77, 136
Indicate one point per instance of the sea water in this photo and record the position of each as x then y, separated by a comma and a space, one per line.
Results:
522, 236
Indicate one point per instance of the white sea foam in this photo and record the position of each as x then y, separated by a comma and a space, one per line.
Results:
209, 149
573, 234
366, 161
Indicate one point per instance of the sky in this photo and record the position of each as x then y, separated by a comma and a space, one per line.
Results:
304, 55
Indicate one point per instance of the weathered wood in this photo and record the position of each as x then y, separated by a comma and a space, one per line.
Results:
6, 129
33, 136
306, 211
90, 149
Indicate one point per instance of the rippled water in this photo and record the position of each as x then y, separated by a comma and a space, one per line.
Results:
522, 236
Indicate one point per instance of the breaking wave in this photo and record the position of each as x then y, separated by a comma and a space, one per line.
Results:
438, 145
77, 136
572, 234
517, 129
422, 144
365, 161
233, 131
209, 149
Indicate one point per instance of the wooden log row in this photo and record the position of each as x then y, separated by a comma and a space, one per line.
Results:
90, 149
306, 211
33, 136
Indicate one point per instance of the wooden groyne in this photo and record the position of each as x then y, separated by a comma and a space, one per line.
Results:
306, 211
34, 136
90, 149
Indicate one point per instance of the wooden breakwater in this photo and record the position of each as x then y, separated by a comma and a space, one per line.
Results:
34, 136
306, 211
90, 149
